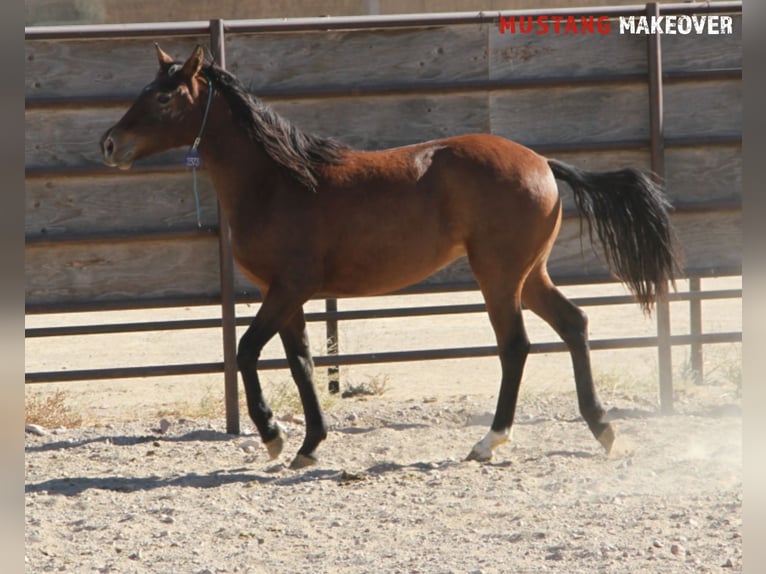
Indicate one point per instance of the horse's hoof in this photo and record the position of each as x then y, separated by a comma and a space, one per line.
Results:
479, 456
606, 437
275, 445
303, 461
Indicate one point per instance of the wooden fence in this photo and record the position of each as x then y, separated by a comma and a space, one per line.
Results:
100, 239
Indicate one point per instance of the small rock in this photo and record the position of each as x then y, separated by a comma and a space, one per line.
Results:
249, 445
292, 418
167, 519
36, 430
676, 549
657, 544
556, 555
728, 564
165, 425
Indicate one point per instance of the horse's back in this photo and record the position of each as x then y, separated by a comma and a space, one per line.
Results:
416, 208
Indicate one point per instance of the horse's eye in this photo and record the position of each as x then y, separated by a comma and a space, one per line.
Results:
163, 98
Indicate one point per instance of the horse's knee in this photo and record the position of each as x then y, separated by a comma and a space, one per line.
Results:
517, 347
248, 353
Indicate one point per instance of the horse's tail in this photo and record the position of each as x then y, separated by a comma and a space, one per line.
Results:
630, 215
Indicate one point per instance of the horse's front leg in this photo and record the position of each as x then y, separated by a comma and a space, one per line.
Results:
296, 344
275, 313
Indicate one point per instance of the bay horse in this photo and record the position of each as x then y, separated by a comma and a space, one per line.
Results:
405, 213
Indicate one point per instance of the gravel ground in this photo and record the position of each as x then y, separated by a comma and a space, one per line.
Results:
392, 493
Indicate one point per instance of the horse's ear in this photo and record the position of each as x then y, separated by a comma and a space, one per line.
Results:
193, 65
164, 59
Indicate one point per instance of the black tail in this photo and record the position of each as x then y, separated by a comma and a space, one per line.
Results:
630, 214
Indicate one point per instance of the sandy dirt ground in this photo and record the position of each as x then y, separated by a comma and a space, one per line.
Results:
391, 492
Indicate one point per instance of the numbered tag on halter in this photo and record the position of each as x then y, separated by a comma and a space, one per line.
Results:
193, 159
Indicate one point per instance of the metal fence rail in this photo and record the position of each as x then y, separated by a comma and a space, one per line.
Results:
217, 31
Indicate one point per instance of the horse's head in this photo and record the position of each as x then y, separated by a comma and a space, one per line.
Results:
167, 114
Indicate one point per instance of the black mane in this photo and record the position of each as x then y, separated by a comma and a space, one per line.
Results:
298, 152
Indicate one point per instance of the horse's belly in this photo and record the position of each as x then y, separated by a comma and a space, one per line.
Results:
382, 271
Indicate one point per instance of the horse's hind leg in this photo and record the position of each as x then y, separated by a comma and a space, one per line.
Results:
542, 297
504, 308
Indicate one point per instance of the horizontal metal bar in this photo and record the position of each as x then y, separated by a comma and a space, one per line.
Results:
123, 372
254, 296
352, 315
56, 240
100, 31
717, 140
122, 304
57, 103
97, 170
104, 31
722, 140
461, 18
121, 328
365, 358
683, 76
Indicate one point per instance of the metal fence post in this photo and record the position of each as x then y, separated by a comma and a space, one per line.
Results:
695, 329
333, 372
658, 167
228, 314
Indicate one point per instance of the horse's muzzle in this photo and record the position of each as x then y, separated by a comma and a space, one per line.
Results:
114, 155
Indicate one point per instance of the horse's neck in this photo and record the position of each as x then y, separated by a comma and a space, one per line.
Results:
239, 168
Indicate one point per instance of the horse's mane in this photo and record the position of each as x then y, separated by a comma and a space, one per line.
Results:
296, 151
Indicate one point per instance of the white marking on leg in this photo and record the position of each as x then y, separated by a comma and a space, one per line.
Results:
483, 449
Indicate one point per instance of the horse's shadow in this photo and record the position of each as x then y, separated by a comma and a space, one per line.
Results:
273, 475
73, 486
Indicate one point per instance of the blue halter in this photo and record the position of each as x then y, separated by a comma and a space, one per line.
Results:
193, 159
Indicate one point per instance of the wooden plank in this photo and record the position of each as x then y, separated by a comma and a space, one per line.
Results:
710, 240
571, 114
382, 122
693, 52
112, 272
70, 137
111, 204
514, 56
265, 61
692, 174
96, 67
358, 57
701, 174
117, 271
705, 108
124, 201
67, 138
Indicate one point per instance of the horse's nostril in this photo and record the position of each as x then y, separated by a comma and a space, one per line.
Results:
109, 146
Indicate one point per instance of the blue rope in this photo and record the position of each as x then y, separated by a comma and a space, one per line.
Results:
193, 158
196, 199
